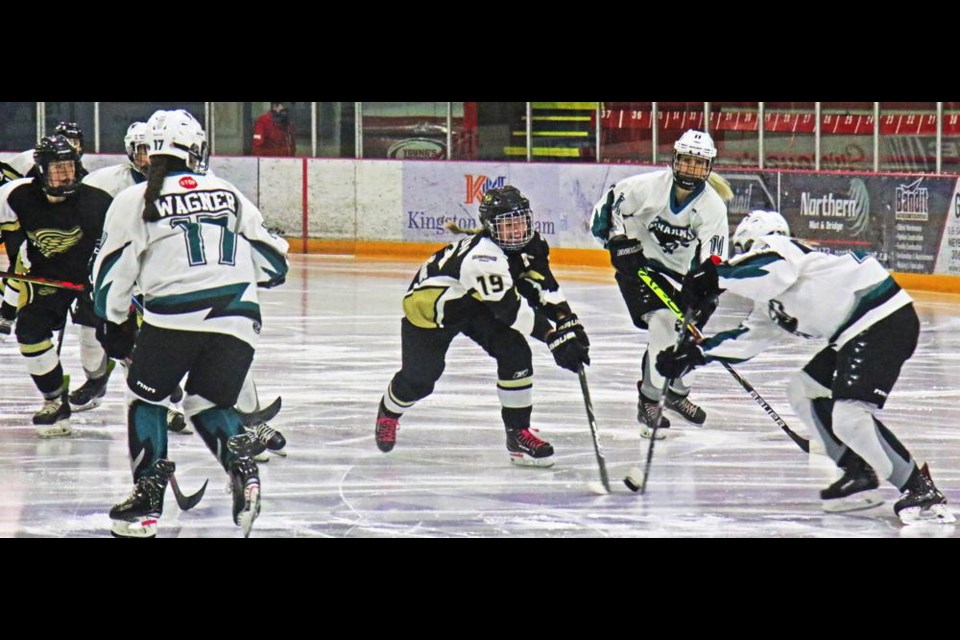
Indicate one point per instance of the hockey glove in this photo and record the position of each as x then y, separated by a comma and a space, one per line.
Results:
567, 350
676, 362
626, 255
572, 323
117, 339
701, 288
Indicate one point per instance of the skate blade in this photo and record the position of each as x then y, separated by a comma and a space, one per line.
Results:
647, 432
853, 503
249, 515
279, 452
523, 460
93, 404
937, 514
145, 527
685, 418
261, 457
58, 430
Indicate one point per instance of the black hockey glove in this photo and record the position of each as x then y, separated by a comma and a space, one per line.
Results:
676, 362
572, 323
117, 339
700, 291
567, 350
626, 255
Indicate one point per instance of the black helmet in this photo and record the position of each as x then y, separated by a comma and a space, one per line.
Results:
72, 131
502, 207
56, 149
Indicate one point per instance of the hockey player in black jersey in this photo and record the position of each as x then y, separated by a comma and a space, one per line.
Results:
61, 220
495, 287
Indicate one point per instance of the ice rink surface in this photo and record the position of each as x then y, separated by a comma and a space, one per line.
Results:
330, 344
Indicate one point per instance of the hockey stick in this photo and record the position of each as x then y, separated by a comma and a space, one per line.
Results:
186, 502
260, 416
601, 463
801, 442
59, 284
631, 479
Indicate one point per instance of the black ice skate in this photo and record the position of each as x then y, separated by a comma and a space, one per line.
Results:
646, 413
682, 406
270, 437
922, 502
177, 423
847, 493
137, 516
53, 419
527, 449
245, 478
90, 394
386, 431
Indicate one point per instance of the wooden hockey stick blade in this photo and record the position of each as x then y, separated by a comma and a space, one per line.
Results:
263, 415
187, 502
59, 284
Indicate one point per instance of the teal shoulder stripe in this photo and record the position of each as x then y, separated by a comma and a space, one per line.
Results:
276, 259
751, 267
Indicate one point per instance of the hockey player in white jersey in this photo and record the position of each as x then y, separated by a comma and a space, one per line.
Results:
197, 249
117, 177
495, 287
667, 222
870, 327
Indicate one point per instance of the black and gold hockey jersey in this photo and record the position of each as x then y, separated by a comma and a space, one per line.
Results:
474, 274
61, 236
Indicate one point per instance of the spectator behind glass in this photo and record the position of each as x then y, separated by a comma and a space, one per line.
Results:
273, 133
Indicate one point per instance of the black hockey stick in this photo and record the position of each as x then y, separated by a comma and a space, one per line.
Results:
260, 416
186, 502
801, 442
601, 463
631, 479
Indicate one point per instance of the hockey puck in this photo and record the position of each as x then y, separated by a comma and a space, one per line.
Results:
631, 482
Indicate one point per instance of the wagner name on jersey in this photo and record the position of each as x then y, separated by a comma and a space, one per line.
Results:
674, 237
455, 281
198, 266
805, 292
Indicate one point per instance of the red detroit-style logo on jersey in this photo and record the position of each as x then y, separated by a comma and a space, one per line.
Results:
188, 183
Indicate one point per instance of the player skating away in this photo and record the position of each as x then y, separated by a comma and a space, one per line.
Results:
664, 221
197, 249
870, 327
496, 288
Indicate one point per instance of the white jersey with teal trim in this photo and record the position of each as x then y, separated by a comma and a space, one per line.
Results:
671, 235
806, 292
115, 178
198, 266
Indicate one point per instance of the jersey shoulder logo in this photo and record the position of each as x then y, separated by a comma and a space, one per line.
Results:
54, 241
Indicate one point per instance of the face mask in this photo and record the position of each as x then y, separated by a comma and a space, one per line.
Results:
280, 116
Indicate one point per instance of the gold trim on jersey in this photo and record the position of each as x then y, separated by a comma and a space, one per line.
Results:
420, 306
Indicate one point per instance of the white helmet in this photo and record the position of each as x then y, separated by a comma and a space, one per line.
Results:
135, 138
698, 144
177, 133
756, 225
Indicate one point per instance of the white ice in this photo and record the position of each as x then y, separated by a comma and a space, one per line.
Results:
331, 342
